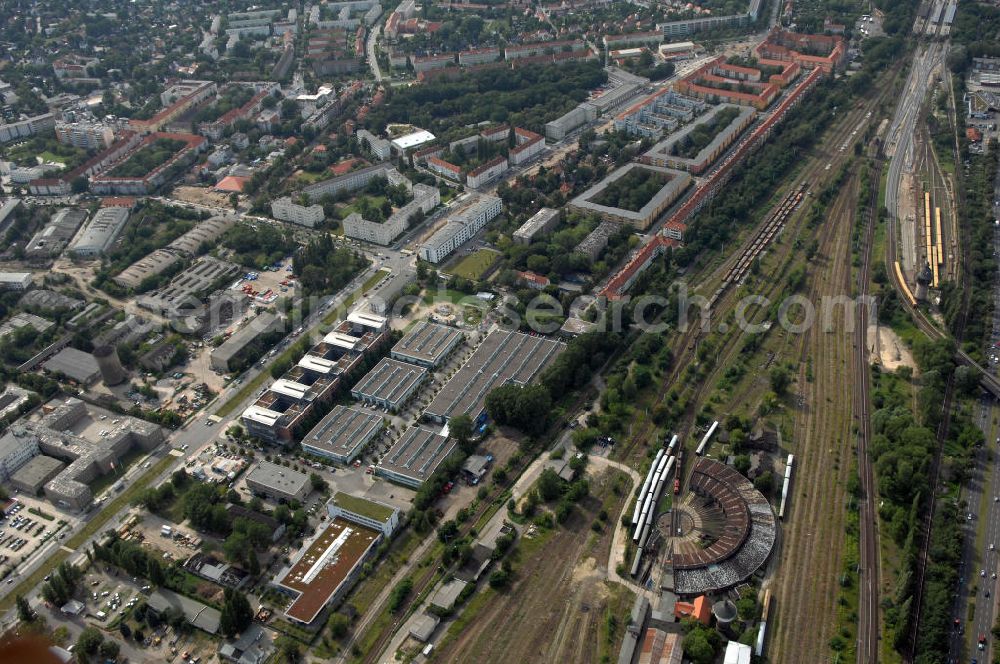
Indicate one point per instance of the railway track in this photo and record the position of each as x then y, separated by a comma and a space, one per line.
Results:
924, 324
772, 225
868, 608
721, 278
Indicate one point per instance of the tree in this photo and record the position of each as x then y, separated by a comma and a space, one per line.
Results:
780, 379
79, 185
89, 641
234, 200
24, 612
339, 625
550, 485
236, 613
447, 531
765, 483
700, 644
109, 650
460, 428
124, 629
318, 483
527, 408
288, 650
746, 607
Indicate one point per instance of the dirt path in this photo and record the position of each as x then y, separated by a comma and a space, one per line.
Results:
813, 537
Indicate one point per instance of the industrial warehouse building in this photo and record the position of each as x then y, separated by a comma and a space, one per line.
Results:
69, 432
677, 182
327, 568
32, 476
74, 364
233, 347
363, 511
278, 482
343, 434
389, 385
100, 232
503, 357
187, 245
51, 240
427, 344
185, 291
414, 457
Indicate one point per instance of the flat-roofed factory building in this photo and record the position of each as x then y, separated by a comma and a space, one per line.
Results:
327, 568
278, 482
414, 457
427, 344
389, 385
503, 357
343, 434
364, 512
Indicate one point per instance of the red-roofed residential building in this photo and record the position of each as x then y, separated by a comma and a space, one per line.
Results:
445, 168
489, 171
104, 183
478, 56
118, 201
675, 229
421, 156
428, 62
810, 51
542, 48
232, 184
214, 130
533, 280
496, 134
699, 610
197, 92
529, 145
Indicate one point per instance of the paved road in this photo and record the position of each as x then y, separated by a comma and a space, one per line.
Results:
985, 479
370, 50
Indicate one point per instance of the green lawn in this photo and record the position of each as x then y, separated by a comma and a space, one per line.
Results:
51, 156
474, 265
253, 385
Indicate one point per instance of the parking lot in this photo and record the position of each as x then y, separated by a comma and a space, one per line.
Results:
27, 524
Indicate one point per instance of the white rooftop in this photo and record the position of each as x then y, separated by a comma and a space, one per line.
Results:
290, 388
369, 320
413, 140
317, 363
341, 340
264, 416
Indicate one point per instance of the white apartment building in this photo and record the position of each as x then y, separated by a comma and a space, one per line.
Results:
488, 172
425, 199
461, 227
86, 135
379, 147
287, 210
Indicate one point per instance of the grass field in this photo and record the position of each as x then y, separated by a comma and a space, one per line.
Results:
475, 265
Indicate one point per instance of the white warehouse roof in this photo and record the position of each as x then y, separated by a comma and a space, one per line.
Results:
413, 140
